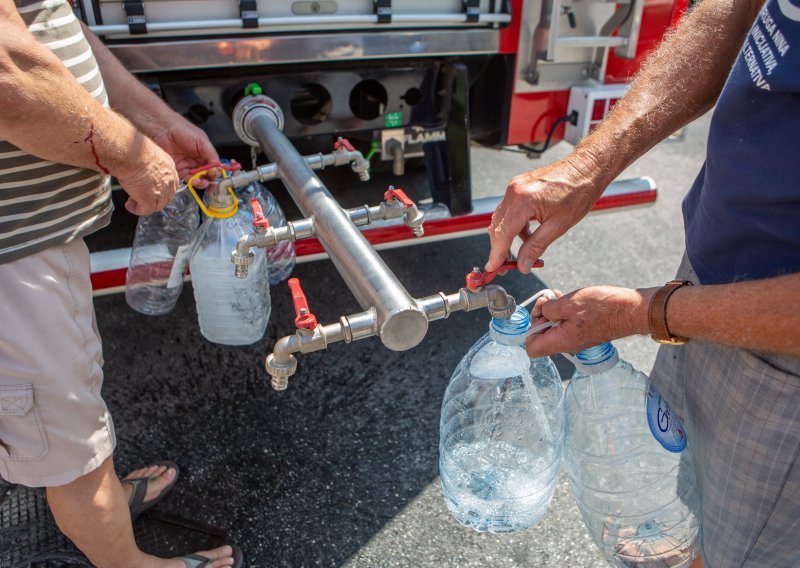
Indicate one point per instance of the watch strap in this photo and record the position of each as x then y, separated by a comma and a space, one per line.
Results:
657, 313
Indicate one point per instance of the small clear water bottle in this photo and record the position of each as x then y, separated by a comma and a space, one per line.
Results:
501, 432
230, 310
281, 257
160, 255
628, 465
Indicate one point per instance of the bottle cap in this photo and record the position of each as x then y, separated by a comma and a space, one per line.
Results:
597, 359
514, 328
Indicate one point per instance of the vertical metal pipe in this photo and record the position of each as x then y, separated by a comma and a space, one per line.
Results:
401, 324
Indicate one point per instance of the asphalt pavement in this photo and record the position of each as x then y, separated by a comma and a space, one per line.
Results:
341, 469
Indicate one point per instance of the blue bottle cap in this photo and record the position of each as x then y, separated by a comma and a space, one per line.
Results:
518, 324
664, 425
597, 359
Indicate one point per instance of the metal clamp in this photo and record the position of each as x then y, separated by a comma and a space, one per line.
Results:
134, 10
383, 9
472, 8
248, 12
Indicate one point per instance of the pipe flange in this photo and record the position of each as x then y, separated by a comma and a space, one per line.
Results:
249, 107
503, 312
242, 259
279, 370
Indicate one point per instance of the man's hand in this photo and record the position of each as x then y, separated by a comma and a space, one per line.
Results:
188, 145
558, 196
589, 316
150, 180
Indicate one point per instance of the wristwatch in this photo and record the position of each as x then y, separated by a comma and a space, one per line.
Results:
657, 314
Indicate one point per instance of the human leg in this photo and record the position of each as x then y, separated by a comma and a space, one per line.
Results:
93, 512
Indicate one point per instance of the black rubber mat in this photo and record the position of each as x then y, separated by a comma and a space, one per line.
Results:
29, 537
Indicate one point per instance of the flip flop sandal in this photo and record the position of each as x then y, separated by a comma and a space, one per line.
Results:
137, 504
198, 561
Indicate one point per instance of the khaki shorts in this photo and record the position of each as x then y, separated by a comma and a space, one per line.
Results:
54, 425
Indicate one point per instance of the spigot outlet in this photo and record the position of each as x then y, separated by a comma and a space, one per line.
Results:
242, 262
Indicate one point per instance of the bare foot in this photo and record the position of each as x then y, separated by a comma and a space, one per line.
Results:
220, 557
160, 477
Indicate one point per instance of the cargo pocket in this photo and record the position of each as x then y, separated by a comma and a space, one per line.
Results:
22, 434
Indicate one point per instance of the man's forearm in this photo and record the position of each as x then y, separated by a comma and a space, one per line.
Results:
680, 81
757, 314
126, 94
46, 112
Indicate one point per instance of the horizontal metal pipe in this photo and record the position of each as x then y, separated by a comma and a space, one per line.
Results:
401, 324
202, 25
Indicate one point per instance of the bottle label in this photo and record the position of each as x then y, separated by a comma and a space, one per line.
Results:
178, 266
664, 425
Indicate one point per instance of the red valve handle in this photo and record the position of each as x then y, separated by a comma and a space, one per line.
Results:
477, 279
398, 194
258, 214
304, 318
344, 143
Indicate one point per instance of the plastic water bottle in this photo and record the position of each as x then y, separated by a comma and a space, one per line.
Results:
281, 257
628, 467
230, 310
501, 432
160, 254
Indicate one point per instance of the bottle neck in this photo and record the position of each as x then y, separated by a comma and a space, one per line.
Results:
597, 359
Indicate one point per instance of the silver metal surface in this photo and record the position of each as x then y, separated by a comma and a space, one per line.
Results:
171, 55
249, 107
275, 24
401, 324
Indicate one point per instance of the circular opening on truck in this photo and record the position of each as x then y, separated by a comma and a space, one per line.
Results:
311, 104
412, 97
368, 100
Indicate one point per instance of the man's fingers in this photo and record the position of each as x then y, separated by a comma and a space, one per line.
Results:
544, 343
535, 245
504, 227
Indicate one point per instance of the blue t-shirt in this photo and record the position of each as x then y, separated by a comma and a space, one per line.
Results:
742, 215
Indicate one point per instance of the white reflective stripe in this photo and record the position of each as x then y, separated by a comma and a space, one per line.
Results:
35, 196
78, 59
27, 229
45, 4
52, 206
26, 167
52, 236
72, 40
88, 76
57, 175
14, 154
52, 23
98, 90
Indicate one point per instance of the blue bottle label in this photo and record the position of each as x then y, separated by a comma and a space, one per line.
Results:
664, 425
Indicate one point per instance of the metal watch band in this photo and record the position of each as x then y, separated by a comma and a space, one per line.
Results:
657, 313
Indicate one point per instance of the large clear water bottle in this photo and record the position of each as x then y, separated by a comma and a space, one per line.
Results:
230, 310
281, 257
628, 467
160, 254
501, 432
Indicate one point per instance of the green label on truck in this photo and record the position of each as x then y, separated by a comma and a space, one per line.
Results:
393, 119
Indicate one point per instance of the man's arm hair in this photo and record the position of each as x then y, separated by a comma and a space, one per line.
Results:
756, 314
47, 113
679, 82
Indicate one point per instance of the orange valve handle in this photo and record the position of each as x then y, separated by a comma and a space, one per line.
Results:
304, 318
258, 214
398, 194
477, 279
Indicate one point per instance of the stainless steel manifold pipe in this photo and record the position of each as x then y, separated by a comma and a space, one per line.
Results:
400, 322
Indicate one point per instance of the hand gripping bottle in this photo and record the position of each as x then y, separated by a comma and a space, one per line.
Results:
628, 465
501, 432
160, 254
281, 257
230, 310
